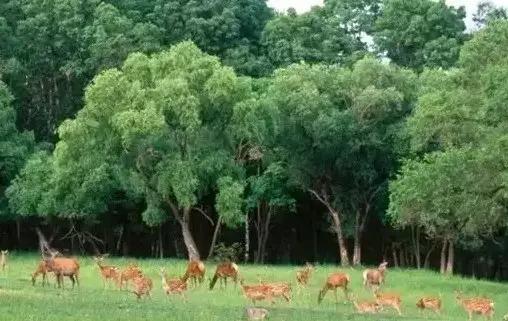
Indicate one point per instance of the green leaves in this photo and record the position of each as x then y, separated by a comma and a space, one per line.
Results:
229, 200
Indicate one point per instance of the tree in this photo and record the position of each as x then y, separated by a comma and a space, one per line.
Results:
154, 129
420, 33
487, 12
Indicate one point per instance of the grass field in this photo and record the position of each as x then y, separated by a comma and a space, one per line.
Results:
20, 301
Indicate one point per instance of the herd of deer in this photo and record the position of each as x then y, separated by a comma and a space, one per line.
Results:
142, 285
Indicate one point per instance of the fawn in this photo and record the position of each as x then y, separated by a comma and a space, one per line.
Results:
131, 272
63, 266
333, 282
3, 259
173, 286
430, 303
256, 313
142, 286
476, 305
195, 271
364, 306
303, 275
256, 292
374, 277
224, 271
281, 289
389, 299
108, 272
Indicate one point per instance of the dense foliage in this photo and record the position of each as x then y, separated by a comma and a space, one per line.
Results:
357, 131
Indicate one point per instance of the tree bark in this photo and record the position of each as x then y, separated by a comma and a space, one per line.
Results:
357, 248
415, 238
188, 239
214, 237
161, 244
426, 263
266, 232
247, 238
395, 258
451, 258
443, 257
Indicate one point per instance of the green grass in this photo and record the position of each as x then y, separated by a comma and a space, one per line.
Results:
19, 300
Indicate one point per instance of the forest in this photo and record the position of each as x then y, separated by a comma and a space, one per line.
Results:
359, 131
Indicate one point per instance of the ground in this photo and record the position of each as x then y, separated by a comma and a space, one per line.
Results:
21, 301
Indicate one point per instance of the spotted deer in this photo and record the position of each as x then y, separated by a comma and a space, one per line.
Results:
364, 306
142, 286
303, 275
389, 299
131, 272
476, 305
429, 303
108, 272
173, 286
333, 282
224, 271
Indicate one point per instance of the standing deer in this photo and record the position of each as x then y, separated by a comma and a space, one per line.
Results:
42, 268
142, 286
477, 305
333, 282
223, 272
3, 259
108, 272
375, 277
389, 299
173, 286
303, 275
195, 271
131, 272
63, 266
429, 303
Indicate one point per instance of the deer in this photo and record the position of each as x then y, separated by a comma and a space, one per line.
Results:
253, 313
389, 299
108, 272
42, 268
224, 271
173, 286
429, 303
3, 259
363, 307
333, 282
303, 275
63, 266
375, 277
280, 289
131, 272
476, 305
195, 271
142, 286
256, 292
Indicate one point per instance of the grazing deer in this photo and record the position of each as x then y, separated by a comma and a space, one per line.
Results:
131, 272
142, 286
363, 307
3, 259
173, 286
108, 272
195, 271
63, 266
42, 268
280, 289
389, 299
429, 303
375, 277
223, 272
333, 282
256, 313
477, 305
256, 292
303, 275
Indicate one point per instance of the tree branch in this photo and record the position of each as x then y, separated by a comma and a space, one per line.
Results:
204, 214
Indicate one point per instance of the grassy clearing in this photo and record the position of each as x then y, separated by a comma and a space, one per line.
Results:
20, 301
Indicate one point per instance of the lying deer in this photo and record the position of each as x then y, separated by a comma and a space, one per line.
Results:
131, 272
195, 271
63, 266
363, 307
142, 286
108, 272
303, 275
477, 305
173, 286
256, 313
223, 272
333, 282
389, 299
374, 277
3, 259
429, 303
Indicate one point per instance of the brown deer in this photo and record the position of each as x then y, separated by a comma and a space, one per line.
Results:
476, 305
195, 271
224, 271
303, 275
389, 299
256, 293
364, 306
3, 259
278, 290
131, 272
173, 286
429, 303
375, 277
63, 266
256, 313
333, 282
108, 272
41, 269
142, 286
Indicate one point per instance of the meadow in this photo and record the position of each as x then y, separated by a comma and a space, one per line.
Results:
91, 301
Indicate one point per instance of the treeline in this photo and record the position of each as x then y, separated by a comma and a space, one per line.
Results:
173, 127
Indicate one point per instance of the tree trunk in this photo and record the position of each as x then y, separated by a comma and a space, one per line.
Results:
395, 258
266, 232
402, 260
161, 244
443, 257
426, 263
415, 238
188, 239
357, 254
451, 258
119, 242
214, 237
247, 238
18, 231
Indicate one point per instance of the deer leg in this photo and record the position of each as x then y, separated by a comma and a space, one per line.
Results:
72, 279
398, 309
336, 297
76, 276
225, 282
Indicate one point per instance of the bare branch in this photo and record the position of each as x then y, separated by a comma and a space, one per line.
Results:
204, 214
